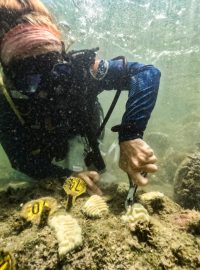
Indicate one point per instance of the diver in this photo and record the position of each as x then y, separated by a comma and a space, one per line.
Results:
50, 95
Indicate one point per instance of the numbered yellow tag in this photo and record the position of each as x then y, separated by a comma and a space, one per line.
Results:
33, 210
6, 262
74, 187
36, 209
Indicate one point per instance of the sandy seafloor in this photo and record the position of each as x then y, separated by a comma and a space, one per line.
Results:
170, 240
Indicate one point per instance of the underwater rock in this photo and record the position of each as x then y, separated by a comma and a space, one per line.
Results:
38, 211
138, 265
187, 182
135, 213
188, 220
153, 201
95, 207
157, 203
68, 232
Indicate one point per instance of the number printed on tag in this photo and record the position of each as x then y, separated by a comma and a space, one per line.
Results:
74, 186
33, 210
37, 208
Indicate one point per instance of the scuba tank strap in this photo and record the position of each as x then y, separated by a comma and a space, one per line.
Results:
116, 98
94, 156
10, 101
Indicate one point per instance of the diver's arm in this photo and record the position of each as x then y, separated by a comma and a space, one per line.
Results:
142, 82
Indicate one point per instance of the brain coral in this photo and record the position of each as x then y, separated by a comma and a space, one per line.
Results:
68, 232
135, 213
95, 207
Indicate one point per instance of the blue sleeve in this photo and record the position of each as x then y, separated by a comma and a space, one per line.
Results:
142, 82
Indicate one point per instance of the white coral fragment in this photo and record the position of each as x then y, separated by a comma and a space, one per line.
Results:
68, 232
135, 213
95, 207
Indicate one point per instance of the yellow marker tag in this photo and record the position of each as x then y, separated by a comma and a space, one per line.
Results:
34, 210
74, 187
6, 261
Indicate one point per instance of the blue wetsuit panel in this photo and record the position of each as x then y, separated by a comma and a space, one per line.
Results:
142, 82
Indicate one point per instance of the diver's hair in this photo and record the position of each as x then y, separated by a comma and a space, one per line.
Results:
32, 11
24, 5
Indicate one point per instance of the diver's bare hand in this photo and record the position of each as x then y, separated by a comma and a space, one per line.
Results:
137, 157
91, 178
